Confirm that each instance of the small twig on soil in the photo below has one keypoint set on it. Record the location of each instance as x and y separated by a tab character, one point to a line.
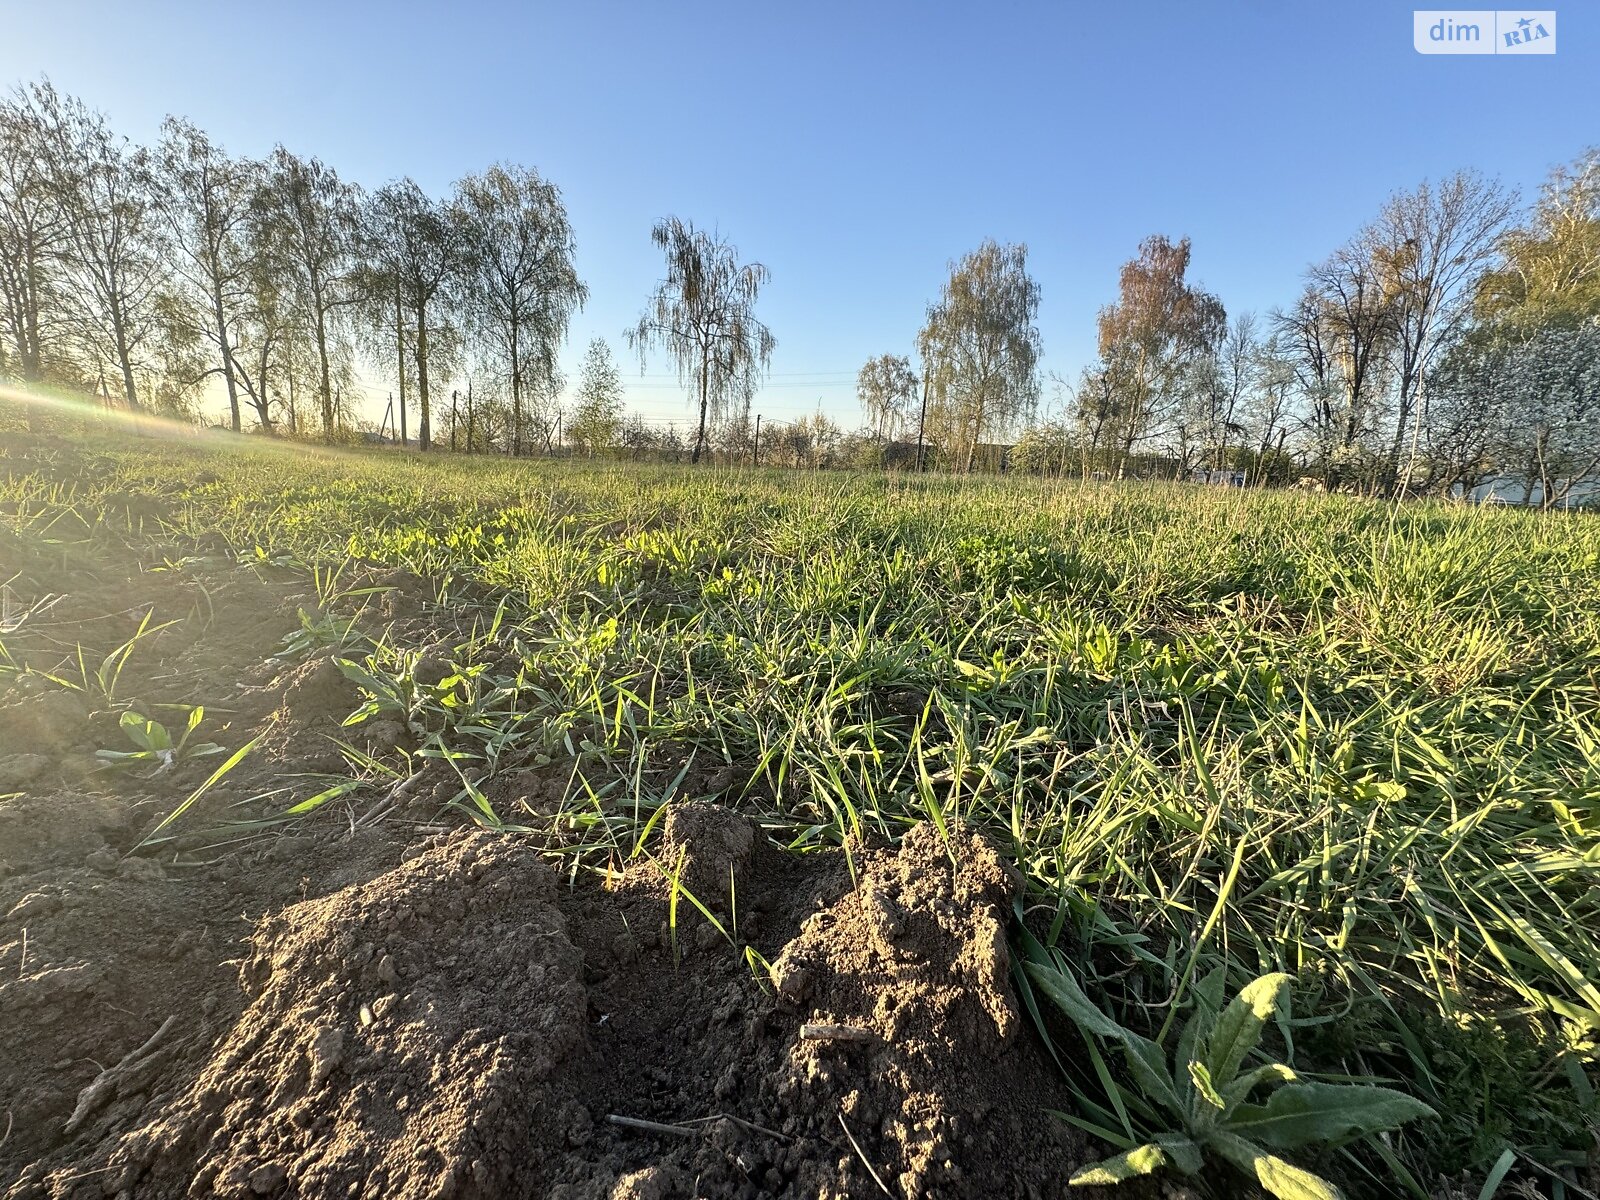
6	1136
750	1125
856	1146
103	1089
388	802
836	1033
22	967
652	1126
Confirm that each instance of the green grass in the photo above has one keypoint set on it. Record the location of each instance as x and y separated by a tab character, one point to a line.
1271	731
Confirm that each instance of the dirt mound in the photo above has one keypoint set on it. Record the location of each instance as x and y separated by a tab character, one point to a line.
394	1043
914	964
474	1024
311	701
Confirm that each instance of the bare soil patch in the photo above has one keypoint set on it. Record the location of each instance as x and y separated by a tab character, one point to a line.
468	1022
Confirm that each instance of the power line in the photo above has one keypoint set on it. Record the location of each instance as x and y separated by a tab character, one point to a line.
764	388
770	374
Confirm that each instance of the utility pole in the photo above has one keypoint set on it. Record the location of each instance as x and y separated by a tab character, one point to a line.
453	395
755	458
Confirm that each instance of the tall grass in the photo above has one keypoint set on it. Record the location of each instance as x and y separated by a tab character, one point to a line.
1272	731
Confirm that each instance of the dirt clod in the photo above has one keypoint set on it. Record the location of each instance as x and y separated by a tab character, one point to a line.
468	1024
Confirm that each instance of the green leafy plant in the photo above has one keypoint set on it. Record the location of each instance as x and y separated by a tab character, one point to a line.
317	632
100	682
155	745
155	836
1205	1090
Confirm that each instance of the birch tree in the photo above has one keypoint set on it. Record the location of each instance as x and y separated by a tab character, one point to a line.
421	246
1550	268
886	386
521	286
980	347
1158	328
703	315
203	199
32	242
309	225
1431	245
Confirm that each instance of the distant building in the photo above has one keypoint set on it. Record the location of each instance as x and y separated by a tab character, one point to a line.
1225	478
992	456
1509	489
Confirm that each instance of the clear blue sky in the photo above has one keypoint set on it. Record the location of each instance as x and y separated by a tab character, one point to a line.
857	147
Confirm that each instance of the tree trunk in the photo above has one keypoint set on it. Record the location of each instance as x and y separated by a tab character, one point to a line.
700	438
227	358
977	432
425	424
922	421
262	401
124	358
516	390
325	380
400	363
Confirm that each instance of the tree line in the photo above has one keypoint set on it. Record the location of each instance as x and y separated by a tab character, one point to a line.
146	272
1454	338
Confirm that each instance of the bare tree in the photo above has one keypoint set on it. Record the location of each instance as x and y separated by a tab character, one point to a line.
703	315
1347	313
980	347
1269	407
1094	414
1431	246
115	274
521	286
1223	380
32	241
545	412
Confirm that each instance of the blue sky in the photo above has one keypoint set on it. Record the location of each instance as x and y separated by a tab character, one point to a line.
855	148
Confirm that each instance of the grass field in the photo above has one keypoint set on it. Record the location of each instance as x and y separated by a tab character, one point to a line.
1354	742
